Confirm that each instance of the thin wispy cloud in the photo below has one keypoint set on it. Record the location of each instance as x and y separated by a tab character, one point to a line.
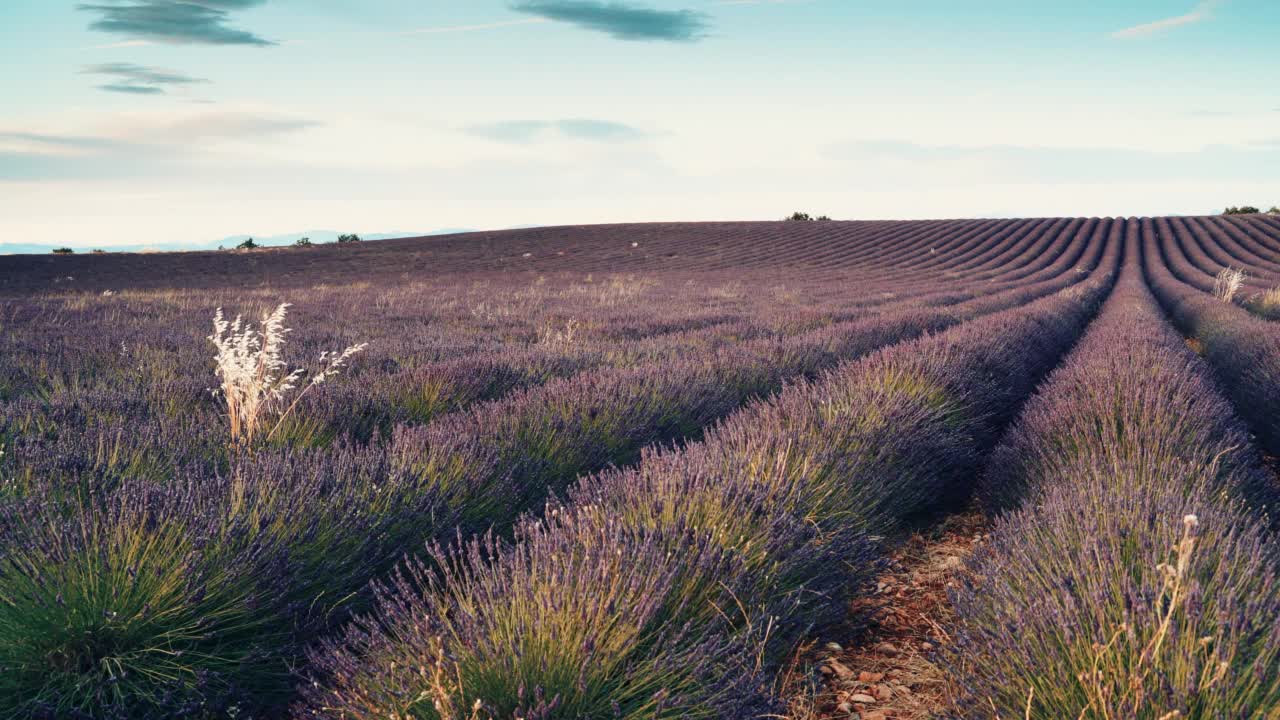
621	20
471	28
137	147
49	142
174	21
599	130
1200	13
120	45
229	125
140	80
528	131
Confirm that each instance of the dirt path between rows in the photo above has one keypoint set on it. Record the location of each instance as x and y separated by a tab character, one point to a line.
888	669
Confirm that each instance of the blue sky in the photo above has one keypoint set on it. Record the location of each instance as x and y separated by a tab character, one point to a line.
159	121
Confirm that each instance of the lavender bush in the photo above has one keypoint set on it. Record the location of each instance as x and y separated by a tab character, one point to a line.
1135	580
557	367
789	491
1244	350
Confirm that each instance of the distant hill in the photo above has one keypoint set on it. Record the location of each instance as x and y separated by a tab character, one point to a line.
317	236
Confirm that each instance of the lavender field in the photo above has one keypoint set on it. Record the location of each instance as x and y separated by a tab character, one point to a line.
683	470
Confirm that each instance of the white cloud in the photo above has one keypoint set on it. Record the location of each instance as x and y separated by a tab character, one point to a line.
120	45
1201	12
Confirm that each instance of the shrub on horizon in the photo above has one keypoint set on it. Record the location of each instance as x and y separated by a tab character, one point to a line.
63	251
247	245
806	217
303	242
349	238
1242	210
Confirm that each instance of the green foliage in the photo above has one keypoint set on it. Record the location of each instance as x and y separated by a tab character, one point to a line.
1242	210
349	238
1275	210
98	251
303	242
806	217
110	610
63	251
247	245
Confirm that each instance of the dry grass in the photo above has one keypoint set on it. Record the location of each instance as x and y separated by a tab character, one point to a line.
255	380
1267	303
1114	685
559	336
1227	284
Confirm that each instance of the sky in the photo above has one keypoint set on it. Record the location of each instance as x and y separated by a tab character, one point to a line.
131	122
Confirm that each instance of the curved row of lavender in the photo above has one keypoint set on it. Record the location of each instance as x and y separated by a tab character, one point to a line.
537	442
675	588
1243	349
736	247
1207	249
1198	250
434	347
428	357
1251	243
148	572
1138	579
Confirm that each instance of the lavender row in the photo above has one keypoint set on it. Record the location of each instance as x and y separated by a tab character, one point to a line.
1195	242
1243	350
75	426
280	545
1230	244
656	247
1201	251
1138	579
1050	260
675	588
537	441
401	389
120	386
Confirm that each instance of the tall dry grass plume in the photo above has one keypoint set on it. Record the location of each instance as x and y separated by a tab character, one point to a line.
256	382
1115	684
1227	284
1267	303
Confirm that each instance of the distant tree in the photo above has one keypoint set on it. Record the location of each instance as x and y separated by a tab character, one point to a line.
63	251
98	251
823	218
349	238
1275	210
1242	210
806	217
247	245
303	242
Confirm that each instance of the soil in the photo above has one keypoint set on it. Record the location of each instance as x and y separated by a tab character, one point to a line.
889	668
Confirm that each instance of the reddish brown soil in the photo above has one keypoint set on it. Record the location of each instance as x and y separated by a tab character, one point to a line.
889	669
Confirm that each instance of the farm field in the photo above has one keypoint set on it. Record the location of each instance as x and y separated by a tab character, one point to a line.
904	469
